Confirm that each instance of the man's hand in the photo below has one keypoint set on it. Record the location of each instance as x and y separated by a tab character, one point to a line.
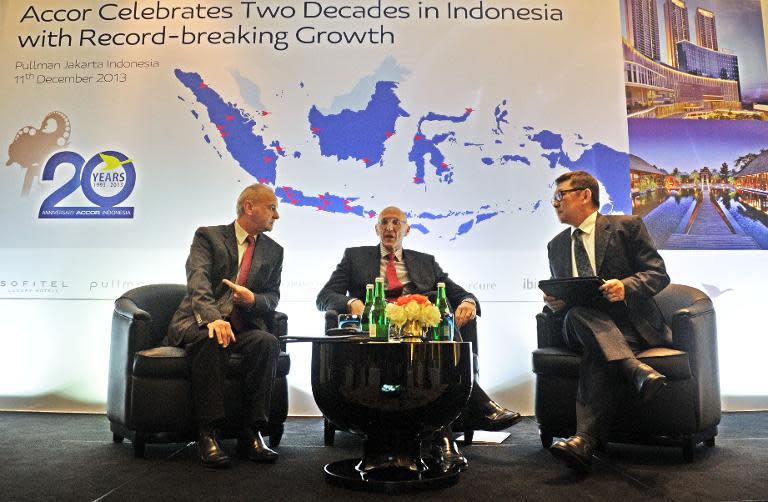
222	330
553	303
613	290
465	312
241	295
356	307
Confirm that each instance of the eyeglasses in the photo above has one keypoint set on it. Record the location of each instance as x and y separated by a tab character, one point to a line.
560	193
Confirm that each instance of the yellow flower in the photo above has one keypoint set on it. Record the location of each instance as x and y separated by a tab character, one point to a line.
429	315
412	310
396	314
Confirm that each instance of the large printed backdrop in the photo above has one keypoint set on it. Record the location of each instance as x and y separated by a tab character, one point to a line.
129	124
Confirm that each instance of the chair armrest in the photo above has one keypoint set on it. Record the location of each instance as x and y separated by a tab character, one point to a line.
694	330
549	329
331	320
131	332
278	326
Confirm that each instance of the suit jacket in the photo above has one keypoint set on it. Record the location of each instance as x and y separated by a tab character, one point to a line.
361	265
623	250
213	257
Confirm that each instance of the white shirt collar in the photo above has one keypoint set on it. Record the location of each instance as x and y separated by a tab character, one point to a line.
240	233
398	253
588	225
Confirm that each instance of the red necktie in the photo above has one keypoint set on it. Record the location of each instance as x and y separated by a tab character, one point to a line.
393	283
245	264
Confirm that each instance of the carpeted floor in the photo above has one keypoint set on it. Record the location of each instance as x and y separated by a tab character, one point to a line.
72	457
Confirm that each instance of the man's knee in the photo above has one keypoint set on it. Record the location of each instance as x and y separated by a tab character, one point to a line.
576	325
261	341
576	317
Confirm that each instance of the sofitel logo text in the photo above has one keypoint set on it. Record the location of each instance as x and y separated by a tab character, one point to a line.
107	179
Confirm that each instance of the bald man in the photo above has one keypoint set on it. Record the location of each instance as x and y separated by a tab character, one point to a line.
406	272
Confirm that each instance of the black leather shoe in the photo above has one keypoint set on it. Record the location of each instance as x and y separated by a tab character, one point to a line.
488	416
445	451
648	381
251	446
211	453
575	452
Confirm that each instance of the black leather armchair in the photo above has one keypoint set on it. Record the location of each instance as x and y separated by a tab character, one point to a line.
468	334
149	398
685	414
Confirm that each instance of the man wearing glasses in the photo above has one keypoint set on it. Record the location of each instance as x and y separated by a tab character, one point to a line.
608	335
405	272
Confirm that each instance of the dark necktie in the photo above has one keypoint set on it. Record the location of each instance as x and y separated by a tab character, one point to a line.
236	319
394	286
583	267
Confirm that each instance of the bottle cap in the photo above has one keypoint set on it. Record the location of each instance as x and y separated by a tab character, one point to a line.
369	286
440	284
379	279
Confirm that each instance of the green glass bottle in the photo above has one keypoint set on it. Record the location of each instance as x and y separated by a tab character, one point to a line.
378	323
443	332
367	308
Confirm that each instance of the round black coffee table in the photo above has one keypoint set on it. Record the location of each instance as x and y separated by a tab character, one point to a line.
394	395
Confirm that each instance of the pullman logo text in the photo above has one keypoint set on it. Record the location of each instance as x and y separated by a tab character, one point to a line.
106	180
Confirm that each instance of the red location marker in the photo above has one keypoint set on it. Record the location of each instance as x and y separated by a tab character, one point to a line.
203	85
265	113
443	165
365	159
468	110
268	159
230	117
279	148
263	181
224	134
315	130
418	180
389	134
371	214
418	137
219	127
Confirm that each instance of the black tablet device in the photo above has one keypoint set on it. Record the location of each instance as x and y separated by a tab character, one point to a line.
573	290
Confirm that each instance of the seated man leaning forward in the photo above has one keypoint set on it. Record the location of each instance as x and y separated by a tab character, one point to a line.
405	272
620	250
233	280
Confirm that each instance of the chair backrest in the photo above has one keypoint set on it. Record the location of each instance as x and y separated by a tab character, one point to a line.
160	302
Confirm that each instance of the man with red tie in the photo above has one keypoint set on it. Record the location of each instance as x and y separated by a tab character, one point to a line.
233	281
406	271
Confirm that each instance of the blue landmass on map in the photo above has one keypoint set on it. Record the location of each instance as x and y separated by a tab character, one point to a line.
500	116
547	139
361	134
236	129
609	166
324	202
348	134
423	146
515	158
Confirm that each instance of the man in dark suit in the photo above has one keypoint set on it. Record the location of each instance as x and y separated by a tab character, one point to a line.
609	332
233	280
406	271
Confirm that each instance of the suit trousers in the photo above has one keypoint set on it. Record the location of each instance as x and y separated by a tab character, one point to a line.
603	339
207	361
